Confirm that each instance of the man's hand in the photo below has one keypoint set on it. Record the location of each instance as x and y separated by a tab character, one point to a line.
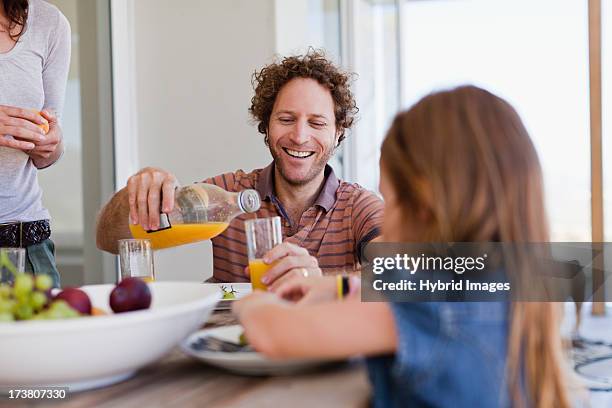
47	151
22	125
150	190
289	260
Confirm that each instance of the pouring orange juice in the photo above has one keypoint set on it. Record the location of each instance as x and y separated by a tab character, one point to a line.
179	234
201	211
262	234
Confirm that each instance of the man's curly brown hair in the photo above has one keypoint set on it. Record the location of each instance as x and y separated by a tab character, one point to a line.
269	81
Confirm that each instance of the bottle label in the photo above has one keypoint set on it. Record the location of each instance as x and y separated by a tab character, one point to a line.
164	223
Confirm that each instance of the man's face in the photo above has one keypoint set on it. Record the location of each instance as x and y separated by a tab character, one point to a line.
302	130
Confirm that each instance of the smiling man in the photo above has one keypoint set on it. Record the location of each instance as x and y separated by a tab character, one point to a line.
303	106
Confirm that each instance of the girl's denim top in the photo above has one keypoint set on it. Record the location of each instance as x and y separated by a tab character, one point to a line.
449	354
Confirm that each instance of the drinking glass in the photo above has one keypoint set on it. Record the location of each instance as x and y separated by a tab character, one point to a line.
12	261
262	234
136	259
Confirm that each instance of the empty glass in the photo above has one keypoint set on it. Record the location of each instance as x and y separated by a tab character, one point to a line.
12	261
136	259
262	234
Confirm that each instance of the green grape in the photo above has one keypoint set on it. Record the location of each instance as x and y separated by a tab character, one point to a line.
228	296
22	298
61	309
38	300
23	311
7	305
23	284
6	317
5	291
43	282
58	305
22	302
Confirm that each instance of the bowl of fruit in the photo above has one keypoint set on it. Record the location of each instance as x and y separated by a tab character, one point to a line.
96	335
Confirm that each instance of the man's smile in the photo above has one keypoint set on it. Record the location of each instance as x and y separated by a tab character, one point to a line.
297	153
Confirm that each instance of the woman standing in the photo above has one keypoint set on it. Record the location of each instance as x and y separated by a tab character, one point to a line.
34	64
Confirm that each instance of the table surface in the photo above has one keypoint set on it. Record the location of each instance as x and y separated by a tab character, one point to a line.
179	381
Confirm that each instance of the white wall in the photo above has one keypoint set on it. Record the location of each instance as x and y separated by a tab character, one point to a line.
193	62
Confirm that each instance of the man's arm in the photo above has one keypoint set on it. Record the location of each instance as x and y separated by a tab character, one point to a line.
367	220
147	191
113	222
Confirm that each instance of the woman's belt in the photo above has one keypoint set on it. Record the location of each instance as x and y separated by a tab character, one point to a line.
24	234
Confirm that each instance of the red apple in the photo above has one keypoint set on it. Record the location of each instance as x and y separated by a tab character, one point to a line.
130	294
76	298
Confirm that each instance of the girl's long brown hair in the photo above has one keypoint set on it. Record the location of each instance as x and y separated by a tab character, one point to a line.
16	12
472	151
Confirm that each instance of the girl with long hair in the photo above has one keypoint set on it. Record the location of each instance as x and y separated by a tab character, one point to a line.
458	166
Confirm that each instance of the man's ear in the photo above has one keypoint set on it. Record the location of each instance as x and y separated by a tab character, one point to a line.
337	142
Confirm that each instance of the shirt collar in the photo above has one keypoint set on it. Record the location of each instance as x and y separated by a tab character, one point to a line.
325	199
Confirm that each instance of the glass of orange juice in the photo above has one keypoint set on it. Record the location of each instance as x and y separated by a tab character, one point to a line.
262	234
136	259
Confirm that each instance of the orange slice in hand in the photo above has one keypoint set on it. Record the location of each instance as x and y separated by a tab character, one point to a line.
44	126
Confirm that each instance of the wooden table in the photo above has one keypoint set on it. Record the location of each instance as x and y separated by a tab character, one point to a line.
179	381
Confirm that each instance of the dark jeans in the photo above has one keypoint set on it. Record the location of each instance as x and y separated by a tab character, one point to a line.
40	259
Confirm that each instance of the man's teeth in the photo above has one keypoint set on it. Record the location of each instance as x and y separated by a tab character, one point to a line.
295	153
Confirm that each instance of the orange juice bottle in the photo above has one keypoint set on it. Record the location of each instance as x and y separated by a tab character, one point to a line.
179	234
201	211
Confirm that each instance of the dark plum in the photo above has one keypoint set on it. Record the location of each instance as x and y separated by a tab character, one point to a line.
130	294
76	298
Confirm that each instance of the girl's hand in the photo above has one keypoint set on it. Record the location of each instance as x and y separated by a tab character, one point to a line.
253	301
307	290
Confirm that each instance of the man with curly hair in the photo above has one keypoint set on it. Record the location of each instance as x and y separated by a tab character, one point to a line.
303	106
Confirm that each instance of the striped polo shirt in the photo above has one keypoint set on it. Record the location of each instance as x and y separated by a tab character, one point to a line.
343	218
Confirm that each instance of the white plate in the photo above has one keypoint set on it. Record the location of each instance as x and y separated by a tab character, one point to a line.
89	352
250	362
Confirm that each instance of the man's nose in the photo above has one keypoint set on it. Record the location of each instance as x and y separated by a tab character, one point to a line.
300	135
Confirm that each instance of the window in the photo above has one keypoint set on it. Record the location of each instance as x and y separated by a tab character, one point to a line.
534	54
543	72
62	182
320	28
373	55
606	39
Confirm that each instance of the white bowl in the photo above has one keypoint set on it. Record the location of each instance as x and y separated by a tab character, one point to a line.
95	351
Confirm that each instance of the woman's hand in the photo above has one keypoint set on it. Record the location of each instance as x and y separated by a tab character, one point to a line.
23	126
46	152
289	261
307	290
